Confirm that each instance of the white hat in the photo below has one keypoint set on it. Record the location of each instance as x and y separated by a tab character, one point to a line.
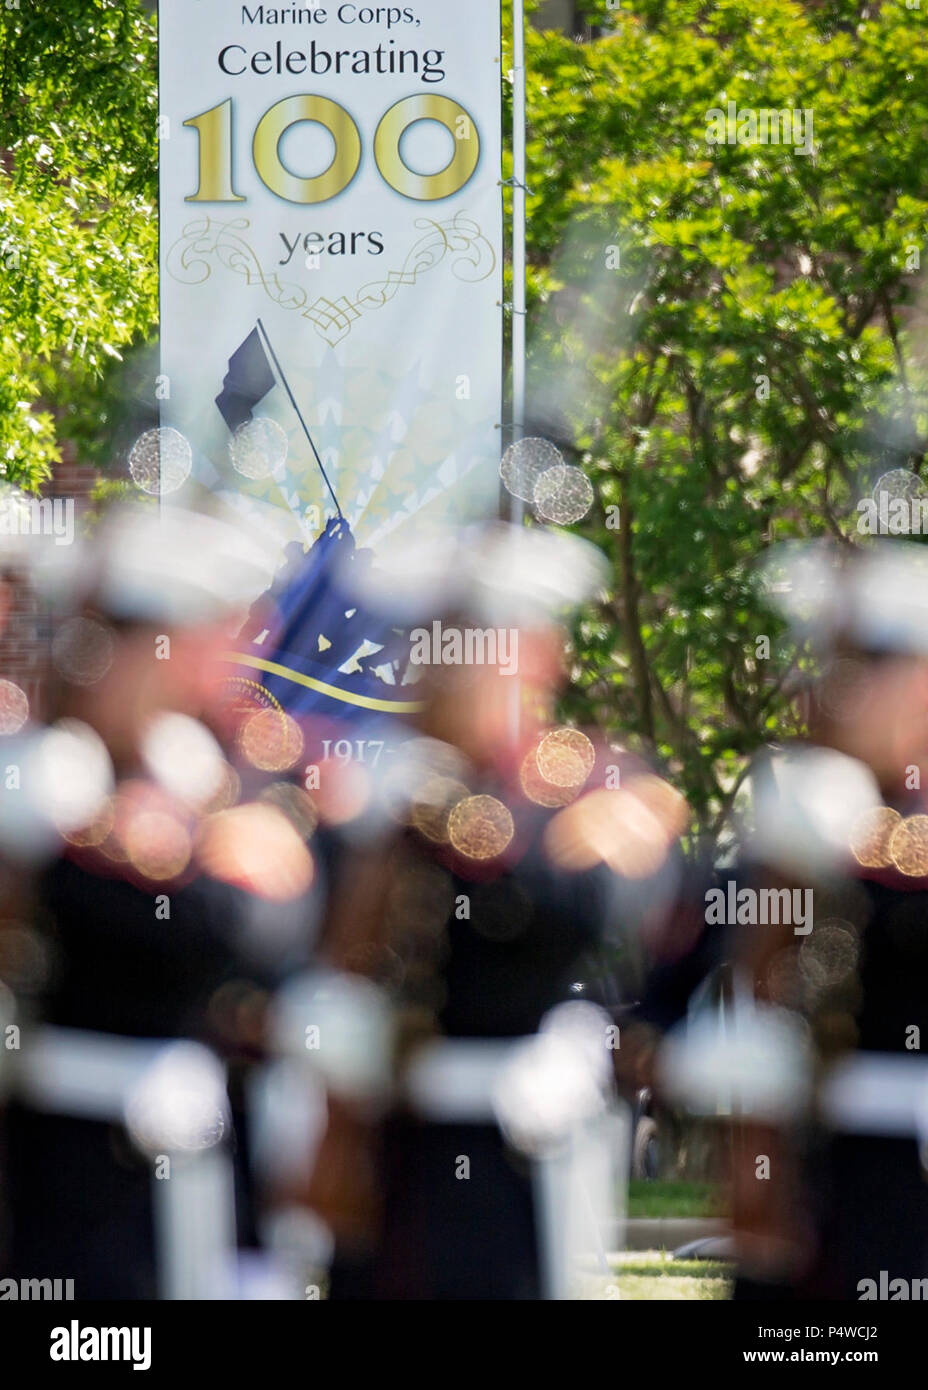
497	572
163	565
875	597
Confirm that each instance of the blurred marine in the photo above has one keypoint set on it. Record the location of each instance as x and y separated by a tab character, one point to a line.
485	1165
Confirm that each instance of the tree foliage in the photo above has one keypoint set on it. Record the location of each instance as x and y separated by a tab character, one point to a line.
78	221
730	334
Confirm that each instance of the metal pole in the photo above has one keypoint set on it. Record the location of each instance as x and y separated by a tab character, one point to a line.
518	235
516	505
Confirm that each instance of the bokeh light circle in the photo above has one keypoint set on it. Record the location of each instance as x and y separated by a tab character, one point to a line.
14	707
524	462
565	757
480	827
563	494
160	461
82	650
271	741
898	482
179	1103
538	789
829	954
871	834
258	448
908	846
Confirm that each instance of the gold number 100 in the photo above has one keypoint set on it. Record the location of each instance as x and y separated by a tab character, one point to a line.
214	128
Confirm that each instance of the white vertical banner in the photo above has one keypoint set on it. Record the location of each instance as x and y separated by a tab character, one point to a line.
331	173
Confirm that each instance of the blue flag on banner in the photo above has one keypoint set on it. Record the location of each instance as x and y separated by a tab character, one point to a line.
314	646
247	381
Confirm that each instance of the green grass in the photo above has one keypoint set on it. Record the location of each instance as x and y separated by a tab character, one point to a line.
653	1274
674	1199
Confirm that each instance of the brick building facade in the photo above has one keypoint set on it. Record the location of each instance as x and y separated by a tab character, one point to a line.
24	631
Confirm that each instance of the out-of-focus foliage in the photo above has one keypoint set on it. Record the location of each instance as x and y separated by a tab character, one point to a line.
729	334
78	221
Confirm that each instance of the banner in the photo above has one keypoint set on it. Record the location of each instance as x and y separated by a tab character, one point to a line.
331	257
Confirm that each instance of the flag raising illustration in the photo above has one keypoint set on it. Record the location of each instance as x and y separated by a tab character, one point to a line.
310	641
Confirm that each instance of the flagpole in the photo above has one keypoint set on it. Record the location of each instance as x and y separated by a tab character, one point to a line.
517	507
280	372
517	510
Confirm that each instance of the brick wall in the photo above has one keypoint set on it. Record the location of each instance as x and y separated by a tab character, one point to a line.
24	632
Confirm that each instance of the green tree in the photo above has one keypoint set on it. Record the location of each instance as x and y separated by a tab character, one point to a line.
725	333
78	220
